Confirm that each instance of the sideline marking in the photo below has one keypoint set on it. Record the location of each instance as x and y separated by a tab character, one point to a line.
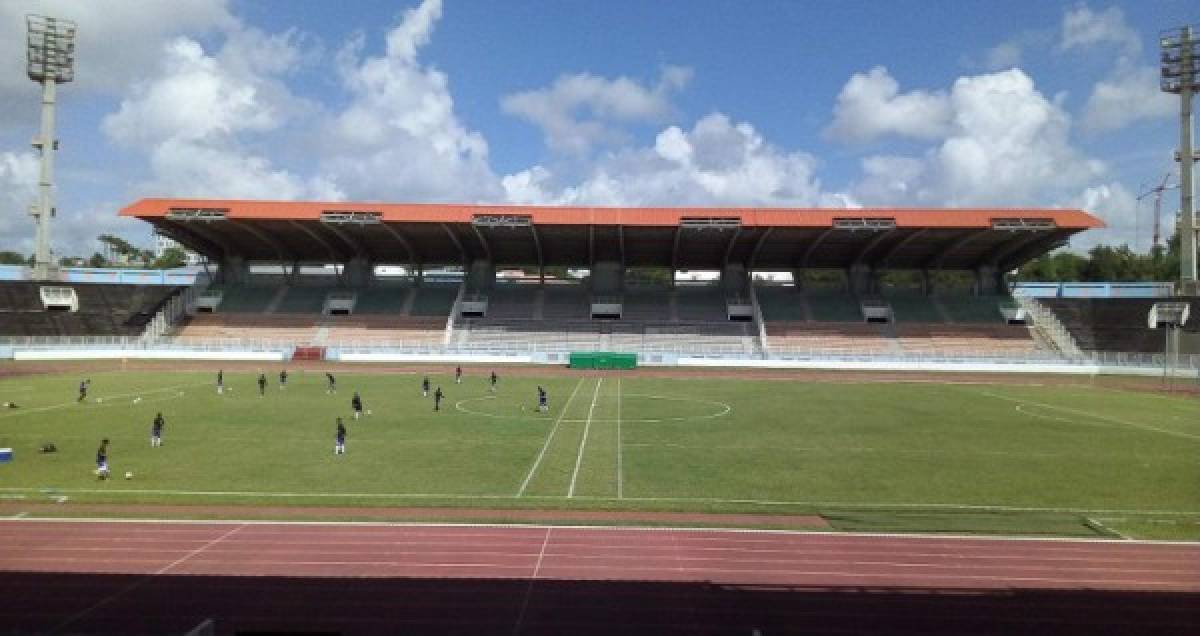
537	462
583	442
606	528
1103	418
755	502
620	472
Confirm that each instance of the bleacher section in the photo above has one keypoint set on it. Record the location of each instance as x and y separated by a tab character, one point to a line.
618	335
924	325
1119	324
246	298
512	301
646	303
434	300
302	300
701	303
314	328
381	300
104	310
566	302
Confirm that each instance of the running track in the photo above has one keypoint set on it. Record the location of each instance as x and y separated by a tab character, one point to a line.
149	577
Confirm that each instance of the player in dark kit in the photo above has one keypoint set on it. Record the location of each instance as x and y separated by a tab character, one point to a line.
458	375
102	460
542	399
262	384
283	379
425	387
156	431
332	388
339	446
83	387
493	379
220	381
356	404
437	399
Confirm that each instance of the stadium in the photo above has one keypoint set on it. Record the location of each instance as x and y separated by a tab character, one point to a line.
369	417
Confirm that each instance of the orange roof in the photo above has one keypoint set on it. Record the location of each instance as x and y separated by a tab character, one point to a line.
546	215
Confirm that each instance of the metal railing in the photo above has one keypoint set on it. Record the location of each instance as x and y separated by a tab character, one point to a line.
1043	319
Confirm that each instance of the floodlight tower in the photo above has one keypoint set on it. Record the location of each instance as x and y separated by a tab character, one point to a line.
51	61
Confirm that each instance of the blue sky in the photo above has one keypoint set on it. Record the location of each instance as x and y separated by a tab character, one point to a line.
705	102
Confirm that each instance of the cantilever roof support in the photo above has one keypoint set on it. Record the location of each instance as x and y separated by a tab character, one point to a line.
1004	250
357	246
887	255
193	237
935	261
812	247
860	258
333	253
414	259
1048	242
621	246
466	258
675	253
487	247
729	246
285	254
537	245
758	245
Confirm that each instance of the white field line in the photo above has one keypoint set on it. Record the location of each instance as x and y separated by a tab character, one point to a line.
51	407
1103	418
1093	521
583	442
142	581
859	505
538	462
620	470
532	579
935	537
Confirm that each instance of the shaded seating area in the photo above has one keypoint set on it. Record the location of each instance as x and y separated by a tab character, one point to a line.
104	310
1119	324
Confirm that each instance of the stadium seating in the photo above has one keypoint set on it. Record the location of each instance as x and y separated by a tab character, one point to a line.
381	300
302	300
104	310
914	308
1116	324
974	309
779	302
701	303
833	306
246	298
646	304
841	338
512	301
313	328
974	340
434	299
566	302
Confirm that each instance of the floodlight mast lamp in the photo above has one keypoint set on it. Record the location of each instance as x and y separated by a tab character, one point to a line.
51	61
1181	75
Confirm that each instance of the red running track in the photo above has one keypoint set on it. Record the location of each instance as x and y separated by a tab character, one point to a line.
126	577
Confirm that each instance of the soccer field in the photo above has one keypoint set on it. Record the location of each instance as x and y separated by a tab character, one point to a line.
867	455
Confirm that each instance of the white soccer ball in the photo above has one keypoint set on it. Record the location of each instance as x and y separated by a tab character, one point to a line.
368	411
129	475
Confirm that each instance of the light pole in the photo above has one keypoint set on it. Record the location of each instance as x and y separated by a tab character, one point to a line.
1181	75
51	61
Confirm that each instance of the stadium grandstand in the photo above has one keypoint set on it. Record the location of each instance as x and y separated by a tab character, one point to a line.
320	280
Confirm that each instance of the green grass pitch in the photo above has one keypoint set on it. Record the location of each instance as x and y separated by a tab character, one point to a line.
890	456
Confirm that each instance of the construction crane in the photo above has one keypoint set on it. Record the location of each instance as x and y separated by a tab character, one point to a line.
1157	193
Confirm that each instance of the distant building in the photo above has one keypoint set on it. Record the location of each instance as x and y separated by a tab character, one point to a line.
163	243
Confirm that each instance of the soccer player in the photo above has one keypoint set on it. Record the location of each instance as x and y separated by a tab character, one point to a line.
425	387
339	446
83	387
220	381
437	399
156	431
542	399
458	375
283	379
262	384
332	388
11	405
493	379
356	404
102	460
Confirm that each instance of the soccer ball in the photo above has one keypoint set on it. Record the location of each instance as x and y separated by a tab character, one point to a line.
368	411
129	475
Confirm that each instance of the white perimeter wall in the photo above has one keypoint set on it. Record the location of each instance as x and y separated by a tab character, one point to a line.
143	354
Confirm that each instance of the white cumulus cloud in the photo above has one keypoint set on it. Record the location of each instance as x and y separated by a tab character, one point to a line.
1084	28
582	110
870	105
399	137
717	162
